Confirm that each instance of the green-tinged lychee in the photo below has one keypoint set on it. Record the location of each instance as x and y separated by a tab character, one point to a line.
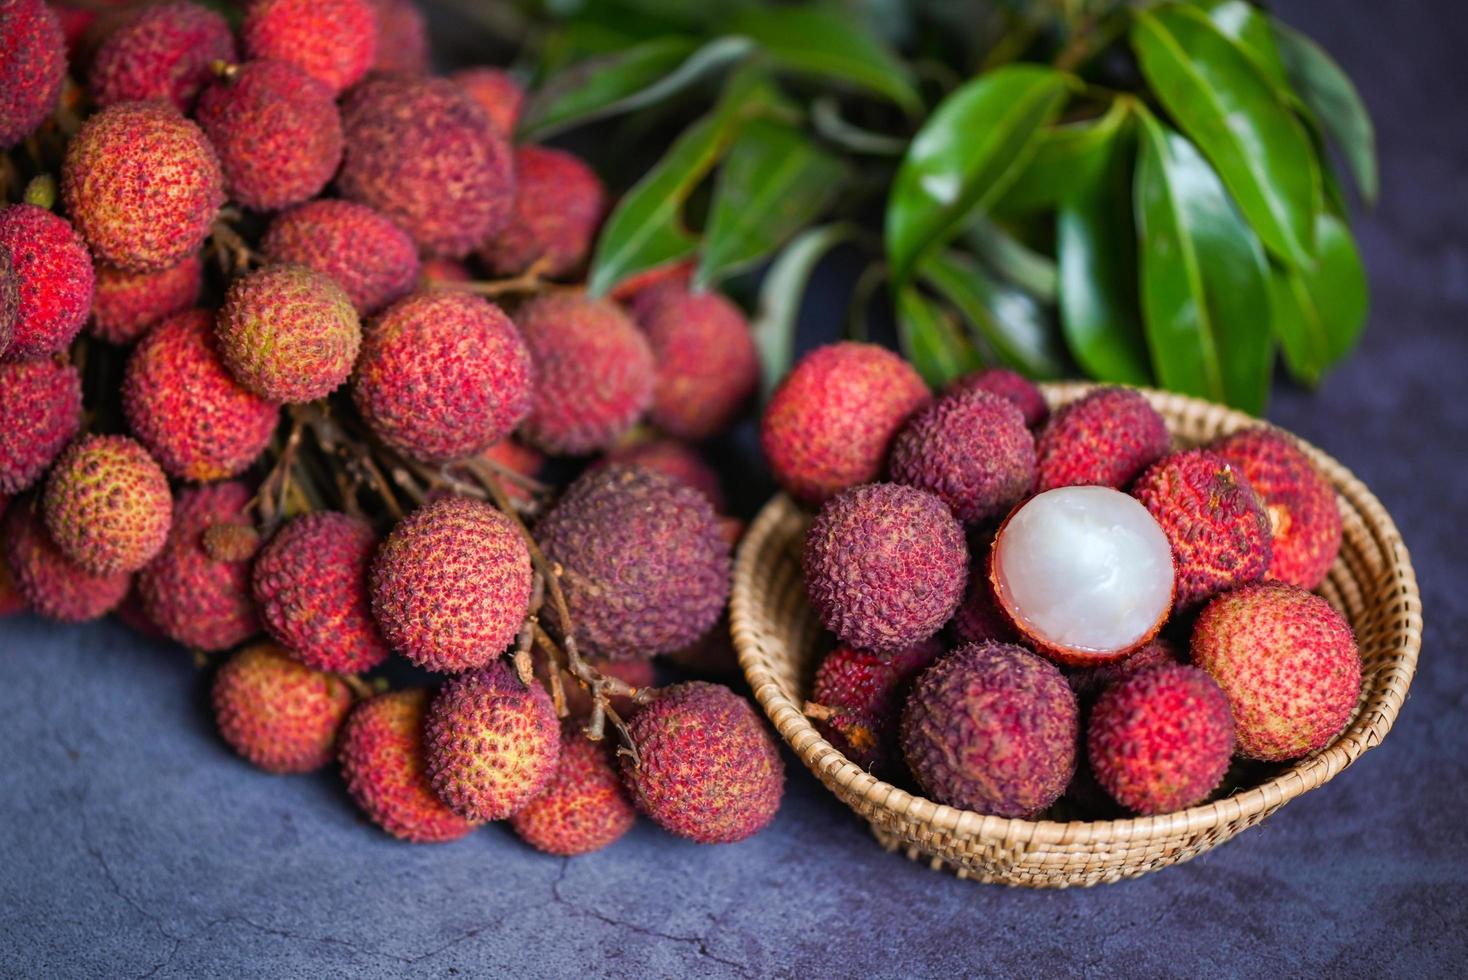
1009	385
107	504
1104	439
559	203
163	51
333	41
857	699
52	584
126	304
33	69
672	458
373	259
53	281
583	807
496	92
40	411
279	714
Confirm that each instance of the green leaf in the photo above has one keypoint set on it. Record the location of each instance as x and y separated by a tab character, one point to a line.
1007	320
818	40
1204	279
931	341
1319	312
1066	157
825	116
1225	104
1326	89
1250	28
780	295
774	183
1013	260
968	152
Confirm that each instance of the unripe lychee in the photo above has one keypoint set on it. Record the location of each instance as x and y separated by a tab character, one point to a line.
583	807
127	303
53	281
162	52
107	504
33	69
333	41
1104	439
559	202
402	38
676	459
279	714
496	92
370	257
40	412
52	584
1009	385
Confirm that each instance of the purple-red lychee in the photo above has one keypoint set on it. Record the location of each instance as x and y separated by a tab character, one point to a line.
52	584
1012	386
676	459
33	69
1104	439
370	257
40	411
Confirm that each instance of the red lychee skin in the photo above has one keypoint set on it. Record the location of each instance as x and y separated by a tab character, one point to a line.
382	760
40	412
194	599
190	412
972	450
423	153
1304	519
1218	529
277	713
583	807
1288	663
142	185
277	132
288	333
131	614
885	566
443	375
979	618
866	691
310	584
496	92
594	373
993	728
373	259
160	52
675	459
231	541
646	570
630	290
333	41
516	457
710	657
451	585
54	280
11	601
1012	386
9	299
831	422
637	673
402	38
53	585
33	69
127	303
1087	682
1104	439
437	271
709	769
559	203
107	504
493	743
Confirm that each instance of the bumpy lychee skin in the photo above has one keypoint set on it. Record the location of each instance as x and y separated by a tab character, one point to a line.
646	571
1219	531
370	257
993	728
33	69
9	298
885	566
194	598
443	375
40	412
160	52
1088	682
496	92
832	420
107	504
277	132
402	38
492	741
583	808
333	41
231	541
1304	519
289	333
422	152
559	202
513	455
451	584
1104	439
1288	663
979	618
676	459
180	401
52	584
857	699
310	583
1160	740
127	303
594	373
1012	386
53	279
383	761
279	714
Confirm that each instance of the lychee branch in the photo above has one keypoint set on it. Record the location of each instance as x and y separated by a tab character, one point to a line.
532	280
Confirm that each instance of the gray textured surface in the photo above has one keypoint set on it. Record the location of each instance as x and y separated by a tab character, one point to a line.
133	844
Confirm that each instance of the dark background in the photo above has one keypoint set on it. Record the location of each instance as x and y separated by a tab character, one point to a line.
133	844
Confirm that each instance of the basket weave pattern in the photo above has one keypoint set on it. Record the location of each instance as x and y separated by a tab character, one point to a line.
779	639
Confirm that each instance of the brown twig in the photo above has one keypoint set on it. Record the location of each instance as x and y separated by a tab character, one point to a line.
532	280
270	499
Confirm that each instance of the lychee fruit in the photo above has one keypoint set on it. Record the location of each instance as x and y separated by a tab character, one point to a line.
310	584
1160	740
277	132
40	412
637	673
496	92
107	504
53	280
438	272
1088	682
885	566
231	541
373	259
583	807
1012	386
443	375
594	373
130	613
52	584
1288	663
422	152
162	52
676	459
33	69
857	698
1304	520
993	728
514	456
710	771
645	569
9	298
451	584
493	742
277	713
979	618
1104	439
127	303
383	762
630	290
333	41
1219	531
559	203
402	38
831	422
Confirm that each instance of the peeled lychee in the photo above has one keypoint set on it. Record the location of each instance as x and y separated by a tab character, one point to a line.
53	279
559	202
33	69
1104	439
277	713
52	584
40	411
333	41
676	459
107	504
1009	385
370	257
496	92
164	51
583	807
127	303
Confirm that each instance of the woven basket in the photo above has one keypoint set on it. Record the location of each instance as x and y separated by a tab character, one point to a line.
779	640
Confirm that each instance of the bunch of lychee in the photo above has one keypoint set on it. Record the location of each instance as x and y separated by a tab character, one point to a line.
1027	605
253	400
